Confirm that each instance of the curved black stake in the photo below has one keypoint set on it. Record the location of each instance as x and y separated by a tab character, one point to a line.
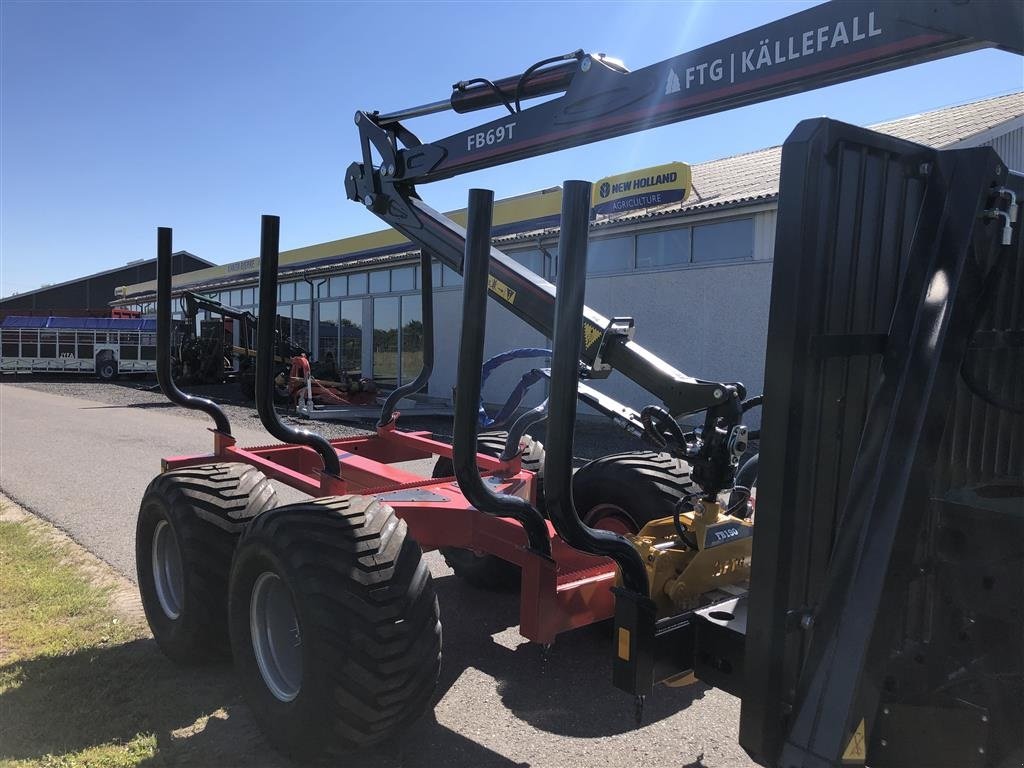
467	391
265	327
163	339
427	298
565	367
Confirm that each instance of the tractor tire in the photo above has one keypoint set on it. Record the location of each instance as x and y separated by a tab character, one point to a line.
189	522
488	571
625	491
106	367
334	624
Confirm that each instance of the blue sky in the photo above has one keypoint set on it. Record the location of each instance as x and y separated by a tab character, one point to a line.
116	118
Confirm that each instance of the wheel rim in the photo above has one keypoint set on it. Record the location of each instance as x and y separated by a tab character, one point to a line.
168	573
611	517
276	637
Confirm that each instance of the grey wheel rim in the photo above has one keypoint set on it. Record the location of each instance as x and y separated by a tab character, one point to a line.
276	637
168	574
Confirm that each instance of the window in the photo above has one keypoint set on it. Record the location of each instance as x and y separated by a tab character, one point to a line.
449	277
662	249
286	292
338	286
10	343
385	340
435	274
357	284
129	346
412	337
148	344
284	322
327	332
66	344
403	279
351	329
533	260
30	343
724	241
248	296
48	343
236	298
303	291
300	325
611	255
380	282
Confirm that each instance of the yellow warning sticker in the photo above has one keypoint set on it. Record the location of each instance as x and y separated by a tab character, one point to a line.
623	643
499	289
856	750
590	335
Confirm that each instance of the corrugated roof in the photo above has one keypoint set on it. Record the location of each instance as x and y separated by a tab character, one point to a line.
951	125
754	176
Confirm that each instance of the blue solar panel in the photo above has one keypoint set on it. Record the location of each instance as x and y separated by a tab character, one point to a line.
82	323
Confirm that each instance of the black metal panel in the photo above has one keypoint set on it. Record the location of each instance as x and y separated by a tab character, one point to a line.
871	231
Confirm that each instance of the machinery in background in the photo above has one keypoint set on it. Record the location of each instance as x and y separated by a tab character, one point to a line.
107	347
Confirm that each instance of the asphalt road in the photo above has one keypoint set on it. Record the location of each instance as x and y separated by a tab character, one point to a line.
84	465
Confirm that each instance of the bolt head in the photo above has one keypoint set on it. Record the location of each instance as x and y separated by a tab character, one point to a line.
807	620
984	718
981	750
358	117
585	64
885	710
369	200
718	394
883	742
391	169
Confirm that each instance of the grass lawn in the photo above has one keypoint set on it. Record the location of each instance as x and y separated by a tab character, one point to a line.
82	687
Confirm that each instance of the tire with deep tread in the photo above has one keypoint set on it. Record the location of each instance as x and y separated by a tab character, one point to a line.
635	487
488	571
366	615
206	508
106	366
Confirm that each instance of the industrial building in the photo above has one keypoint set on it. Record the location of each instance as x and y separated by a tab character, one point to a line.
695	274
90	296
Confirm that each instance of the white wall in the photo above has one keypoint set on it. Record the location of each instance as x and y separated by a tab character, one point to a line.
708	321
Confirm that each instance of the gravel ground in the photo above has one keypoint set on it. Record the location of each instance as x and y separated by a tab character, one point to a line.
593	438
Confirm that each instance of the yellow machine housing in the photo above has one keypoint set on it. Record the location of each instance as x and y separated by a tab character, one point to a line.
715	554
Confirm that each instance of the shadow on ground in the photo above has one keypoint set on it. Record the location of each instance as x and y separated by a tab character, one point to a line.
198	716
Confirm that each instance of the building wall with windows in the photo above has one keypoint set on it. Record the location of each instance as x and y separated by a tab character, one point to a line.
695	276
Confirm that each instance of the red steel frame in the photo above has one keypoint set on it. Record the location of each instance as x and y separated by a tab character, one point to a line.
569	591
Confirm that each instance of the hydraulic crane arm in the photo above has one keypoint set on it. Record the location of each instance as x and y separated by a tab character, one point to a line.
823	45
196	302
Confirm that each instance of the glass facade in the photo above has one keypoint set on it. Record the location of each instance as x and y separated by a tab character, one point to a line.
386	313
370	322
715	241
351	331
412	337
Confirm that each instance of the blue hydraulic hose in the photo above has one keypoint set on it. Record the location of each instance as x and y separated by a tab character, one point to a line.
519	391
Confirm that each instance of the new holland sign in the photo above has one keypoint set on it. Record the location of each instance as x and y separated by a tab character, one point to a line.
644	188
